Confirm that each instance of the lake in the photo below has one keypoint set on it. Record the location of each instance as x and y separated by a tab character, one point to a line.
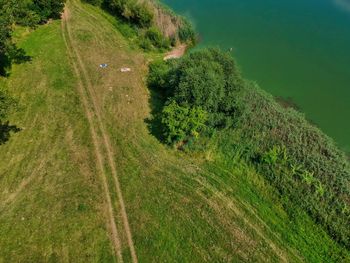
298	50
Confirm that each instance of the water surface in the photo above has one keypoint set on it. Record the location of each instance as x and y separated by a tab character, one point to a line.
297	49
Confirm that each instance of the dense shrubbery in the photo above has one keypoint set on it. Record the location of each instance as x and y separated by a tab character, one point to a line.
132	11
156	38
304	164
47	9
141	16
182	122
207	79
186	32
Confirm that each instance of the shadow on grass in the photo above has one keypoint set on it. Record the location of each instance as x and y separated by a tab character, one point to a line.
17	56
154	122
5	131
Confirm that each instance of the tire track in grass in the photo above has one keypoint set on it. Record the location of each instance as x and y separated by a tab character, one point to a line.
90	115
106	142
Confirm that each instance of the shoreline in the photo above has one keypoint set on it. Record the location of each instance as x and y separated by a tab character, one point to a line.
176	52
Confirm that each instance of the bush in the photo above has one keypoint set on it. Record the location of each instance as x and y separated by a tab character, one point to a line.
186	32
180	122
156	38
207	79
132	11
47	9
159	76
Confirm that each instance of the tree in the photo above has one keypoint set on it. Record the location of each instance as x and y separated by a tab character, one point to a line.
13	12
6	21
209	79
181	122
47	9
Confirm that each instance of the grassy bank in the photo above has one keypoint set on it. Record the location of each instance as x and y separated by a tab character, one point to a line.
180	207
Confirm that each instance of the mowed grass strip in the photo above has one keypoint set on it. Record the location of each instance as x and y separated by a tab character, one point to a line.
51	202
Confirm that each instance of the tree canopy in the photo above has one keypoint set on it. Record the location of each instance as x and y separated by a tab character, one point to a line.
209	79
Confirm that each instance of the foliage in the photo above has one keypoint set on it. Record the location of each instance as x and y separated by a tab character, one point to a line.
132	11
25	13
186	32
295	156
47	9
160	74
208	79
182	209
182	122
315	171
156	38
6	21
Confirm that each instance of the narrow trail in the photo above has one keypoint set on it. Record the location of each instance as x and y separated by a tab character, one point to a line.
108	147
98	152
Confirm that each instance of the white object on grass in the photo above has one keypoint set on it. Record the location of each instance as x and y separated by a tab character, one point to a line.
125	69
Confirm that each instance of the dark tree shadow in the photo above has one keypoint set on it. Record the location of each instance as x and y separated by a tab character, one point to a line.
5	65
154	122
5	131
17	56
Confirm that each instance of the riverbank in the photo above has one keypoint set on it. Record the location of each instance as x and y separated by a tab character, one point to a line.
177	52
290	53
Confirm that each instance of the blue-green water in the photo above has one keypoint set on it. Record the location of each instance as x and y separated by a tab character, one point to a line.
295	49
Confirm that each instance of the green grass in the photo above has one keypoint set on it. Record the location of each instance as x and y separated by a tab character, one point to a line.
181	207
53	215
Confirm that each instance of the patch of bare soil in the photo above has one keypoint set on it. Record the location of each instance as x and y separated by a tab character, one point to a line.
177	52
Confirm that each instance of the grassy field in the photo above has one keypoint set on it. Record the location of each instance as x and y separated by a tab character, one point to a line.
85	181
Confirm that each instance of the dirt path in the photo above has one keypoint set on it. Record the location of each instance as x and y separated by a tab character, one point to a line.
93	130
107	145
177	52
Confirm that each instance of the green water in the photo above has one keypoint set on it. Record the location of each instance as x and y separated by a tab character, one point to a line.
298	50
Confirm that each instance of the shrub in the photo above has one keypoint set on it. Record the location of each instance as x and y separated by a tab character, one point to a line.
132	11
158	77
47	9
208	79
181	122
156	38
186	32
145	44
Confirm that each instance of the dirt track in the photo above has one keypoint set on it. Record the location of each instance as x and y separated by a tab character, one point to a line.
100	140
